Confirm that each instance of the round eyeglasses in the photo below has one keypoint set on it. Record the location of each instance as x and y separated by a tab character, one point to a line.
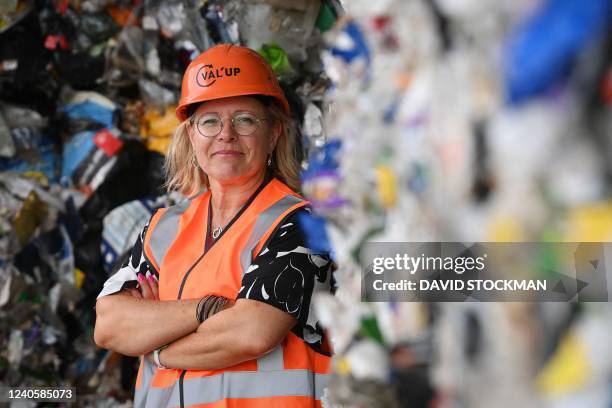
211	124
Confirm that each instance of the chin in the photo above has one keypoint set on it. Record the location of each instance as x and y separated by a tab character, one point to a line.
230	177
235	176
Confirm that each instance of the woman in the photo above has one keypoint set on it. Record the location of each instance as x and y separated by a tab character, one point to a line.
216	294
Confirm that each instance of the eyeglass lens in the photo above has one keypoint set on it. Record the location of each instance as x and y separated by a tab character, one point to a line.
210	125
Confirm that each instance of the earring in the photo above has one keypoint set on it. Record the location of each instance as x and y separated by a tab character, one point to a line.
270	160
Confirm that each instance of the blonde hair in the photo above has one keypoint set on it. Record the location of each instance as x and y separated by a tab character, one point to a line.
183	176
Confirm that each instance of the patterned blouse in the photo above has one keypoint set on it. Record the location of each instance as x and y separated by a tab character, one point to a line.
285	275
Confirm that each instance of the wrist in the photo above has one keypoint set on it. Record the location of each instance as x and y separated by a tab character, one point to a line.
157	358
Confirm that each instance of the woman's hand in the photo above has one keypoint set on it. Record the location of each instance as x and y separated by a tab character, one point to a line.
148	288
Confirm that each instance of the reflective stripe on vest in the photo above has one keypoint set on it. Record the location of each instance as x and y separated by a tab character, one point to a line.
147	371
242	384
273	361
263	223
166	230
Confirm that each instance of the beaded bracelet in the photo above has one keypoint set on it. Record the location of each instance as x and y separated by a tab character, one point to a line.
208	306
208	303
217	306
199	308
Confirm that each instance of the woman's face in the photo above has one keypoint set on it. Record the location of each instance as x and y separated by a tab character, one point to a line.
230	157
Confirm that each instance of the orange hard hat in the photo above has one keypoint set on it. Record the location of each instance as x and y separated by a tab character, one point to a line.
228	70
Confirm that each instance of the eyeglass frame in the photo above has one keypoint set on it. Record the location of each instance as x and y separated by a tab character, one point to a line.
258	120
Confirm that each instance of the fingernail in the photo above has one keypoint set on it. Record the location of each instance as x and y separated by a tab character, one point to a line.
139	277
156	279
151	279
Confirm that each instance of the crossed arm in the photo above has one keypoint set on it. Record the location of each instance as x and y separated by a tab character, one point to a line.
135	324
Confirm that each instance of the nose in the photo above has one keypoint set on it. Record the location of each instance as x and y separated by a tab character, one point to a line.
227	134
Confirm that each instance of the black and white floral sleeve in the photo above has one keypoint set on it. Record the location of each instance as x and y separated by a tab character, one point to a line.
125	277
286	274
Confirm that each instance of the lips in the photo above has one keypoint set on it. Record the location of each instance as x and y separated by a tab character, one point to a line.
227	153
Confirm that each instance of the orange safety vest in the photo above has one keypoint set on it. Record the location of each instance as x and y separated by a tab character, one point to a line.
291	375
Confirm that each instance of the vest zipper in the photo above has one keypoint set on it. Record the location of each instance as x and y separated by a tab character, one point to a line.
181	396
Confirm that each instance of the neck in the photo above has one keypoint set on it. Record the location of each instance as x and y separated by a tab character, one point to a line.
228	198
